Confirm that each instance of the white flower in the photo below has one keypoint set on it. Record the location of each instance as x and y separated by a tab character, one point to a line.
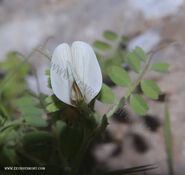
75	73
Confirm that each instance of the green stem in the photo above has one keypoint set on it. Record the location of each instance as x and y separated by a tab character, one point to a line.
134	85
131	89
44	54
147	66
168	139
88	126
61	157
116	107
79	158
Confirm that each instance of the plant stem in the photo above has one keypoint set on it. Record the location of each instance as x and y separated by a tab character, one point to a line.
88	126
81	153
142	74
131	89
44	54
61	157
168	139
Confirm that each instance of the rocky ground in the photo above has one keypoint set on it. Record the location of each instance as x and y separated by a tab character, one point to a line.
134	141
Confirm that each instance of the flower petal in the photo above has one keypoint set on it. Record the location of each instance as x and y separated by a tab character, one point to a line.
61	78
87	69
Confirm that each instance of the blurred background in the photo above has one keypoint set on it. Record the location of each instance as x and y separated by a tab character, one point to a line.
128	141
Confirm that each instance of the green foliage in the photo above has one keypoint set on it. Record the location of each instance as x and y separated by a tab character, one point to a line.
161	67
54	104
47	72
32	114
26	102
138	104
70	139
1	121
124	41
110	35
13	60
119	76
111	52
13	84
36	121
116	107
9	137
108	63
139	52
106	95
150	89
101	45
36	136
52	107
134	62
37	145
4	111
7	156
49	82
42	130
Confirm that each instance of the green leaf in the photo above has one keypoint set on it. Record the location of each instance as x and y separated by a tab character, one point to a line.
106	95
7	156
26	101
124	41
119	76
13	84
150	89
49	82
35	136
36	121
134	62
2	121
47	72
52	108
160	67
139	52
101	45
108	63
138	104
32	113
42	98
49	99
110	35
27	106
4	111
100	59
54	104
